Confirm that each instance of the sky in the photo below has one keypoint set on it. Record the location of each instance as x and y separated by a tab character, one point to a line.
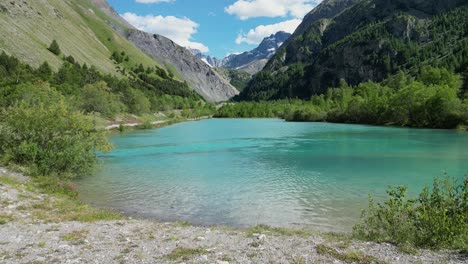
215	27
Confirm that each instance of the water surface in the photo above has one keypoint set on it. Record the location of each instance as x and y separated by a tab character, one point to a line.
244	172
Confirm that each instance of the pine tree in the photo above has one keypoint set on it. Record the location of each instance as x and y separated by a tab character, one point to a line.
464	91
54	48
45	71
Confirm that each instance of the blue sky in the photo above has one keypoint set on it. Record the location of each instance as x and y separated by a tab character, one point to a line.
216	27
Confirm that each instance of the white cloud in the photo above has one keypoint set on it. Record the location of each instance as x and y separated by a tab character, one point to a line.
256	35
180	30
245	9
153	1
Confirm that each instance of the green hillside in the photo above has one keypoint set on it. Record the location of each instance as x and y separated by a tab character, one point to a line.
371	40
28	27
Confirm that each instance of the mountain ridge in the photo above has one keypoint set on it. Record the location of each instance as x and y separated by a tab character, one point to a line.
91	32
365	40
250	61
206	82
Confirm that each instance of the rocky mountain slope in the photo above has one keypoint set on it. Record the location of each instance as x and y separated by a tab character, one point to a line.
207	82
251	61
364	40
91	31
267	48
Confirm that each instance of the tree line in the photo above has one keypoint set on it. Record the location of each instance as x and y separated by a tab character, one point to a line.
436	98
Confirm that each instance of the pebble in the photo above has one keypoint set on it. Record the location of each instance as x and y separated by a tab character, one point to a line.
103	243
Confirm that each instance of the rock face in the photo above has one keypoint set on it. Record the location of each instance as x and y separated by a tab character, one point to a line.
204	80
199	76
325	10
251	61
211	61
267	48
108	10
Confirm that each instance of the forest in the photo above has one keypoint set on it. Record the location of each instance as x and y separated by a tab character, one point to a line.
436	98
318	60
48	119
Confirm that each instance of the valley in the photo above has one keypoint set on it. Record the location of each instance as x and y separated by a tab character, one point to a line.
342	140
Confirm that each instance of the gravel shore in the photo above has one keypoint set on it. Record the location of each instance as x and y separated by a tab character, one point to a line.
25	238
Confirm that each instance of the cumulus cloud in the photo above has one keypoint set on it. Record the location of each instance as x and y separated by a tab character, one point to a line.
153	1
256	35
180	30
245	9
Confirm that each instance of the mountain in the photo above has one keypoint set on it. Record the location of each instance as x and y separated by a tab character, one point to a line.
91	32
251	61
267	48
28	27
364	40
211	61
238	78
207	82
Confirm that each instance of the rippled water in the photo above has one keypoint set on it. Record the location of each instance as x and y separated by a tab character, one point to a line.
247	172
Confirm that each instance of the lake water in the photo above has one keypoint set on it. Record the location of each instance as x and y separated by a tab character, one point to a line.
244	172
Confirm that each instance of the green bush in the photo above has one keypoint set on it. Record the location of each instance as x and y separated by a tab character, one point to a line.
50	139
98	98
55	48
438	218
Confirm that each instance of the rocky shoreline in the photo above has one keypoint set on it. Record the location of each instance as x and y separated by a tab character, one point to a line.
28	235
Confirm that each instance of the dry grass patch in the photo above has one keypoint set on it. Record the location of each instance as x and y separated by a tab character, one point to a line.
347	257
185	253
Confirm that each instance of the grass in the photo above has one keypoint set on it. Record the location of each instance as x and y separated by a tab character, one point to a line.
76	237
81	33
61	204
185	253
182	224
298	260
268	230
10	181
5	218
347	257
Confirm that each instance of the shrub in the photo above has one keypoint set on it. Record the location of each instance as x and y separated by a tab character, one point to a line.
437	219
50	139
98	98
55	48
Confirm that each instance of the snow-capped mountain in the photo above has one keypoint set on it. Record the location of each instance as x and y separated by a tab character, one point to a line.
251	61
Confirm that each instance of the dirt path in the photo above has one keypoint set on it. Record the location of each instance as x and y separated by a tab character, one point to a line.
115	126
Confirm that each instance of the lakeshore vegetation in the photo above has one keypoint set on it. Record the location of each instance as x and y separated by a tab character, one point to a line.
435	98
48	127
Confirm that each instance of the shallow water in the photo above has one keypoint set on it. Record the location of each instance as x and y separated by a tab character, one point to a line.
244	172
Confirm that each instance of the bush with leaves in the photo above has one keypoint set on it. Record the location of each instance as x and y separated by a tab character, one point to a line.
98	97
438	218
50	139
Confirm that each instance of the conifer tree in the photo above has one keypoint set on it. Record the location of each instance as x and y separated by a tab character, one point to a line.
54	48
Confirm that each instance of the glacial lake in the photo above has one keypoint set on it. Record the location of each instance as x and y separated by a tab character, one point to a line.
244	172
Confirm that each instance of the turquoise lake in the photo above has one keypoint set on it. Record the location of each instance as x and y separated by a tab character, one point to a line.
244	172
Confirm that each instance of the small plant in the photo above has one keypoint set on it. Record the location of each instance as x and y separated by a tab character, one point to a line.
146	125
121	127
41	244
4	219
185	253
347	257
437	219
76	237
55	48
